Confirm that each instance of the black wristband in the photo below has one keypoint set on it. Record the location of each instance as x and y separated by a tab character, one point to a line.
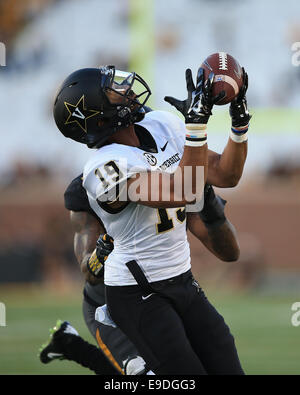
212	213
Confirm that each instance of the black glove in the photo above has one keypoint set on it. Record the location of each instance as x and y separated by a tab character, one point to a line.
199	103
104	246
212	213
238	108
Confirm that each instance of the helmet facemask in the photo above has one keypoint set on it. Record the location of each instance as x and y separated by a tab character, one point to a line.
127	90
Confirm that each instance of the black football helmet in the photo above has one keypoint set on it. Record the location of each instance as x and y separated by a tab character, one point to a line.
93	103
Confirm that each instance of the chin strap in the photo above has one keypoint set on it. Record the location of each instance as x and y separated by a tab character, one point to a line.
95	140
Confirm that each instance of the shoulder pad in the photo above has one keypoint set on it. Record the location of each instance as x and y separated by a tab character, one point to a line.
75	196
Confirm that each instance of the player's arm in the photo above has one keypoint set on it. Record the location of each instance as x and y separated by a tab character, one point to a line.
87	230
213	229
91	260
181	188
225	170
169	188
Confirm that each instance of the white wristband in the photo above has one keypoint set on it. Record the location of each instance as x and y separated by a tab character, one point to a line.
238	138
195	143
196	135
196	126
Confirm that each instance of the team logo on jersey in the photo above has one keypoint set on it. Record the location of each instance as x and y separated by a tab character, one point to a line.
79	114
150	159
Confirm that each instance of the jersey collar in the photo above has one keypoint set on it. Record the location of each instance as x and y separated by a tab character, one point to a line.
147	142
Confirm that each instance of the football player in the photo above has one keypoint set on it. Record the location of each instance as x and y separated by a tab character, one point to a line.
117	353
151	293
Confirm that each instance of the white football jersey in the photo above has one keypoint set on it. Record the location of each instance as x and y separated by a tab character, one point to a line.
155	238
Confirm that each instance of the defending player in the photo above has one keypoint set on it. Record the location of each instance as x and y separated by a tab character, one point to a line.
210	226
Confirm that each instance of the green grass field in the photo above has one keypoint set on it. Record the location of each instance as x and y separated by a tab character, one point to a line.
266	340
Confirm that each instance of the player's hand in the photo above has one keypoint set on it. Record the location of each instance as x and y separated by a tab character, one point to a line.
104	246
238	109
199	103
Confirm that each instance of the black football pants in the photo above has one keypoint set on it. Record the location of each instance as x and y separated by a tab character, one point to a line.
175	329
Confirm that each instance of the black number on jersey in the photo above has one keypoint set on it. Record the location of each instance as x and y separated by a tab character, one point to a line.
181	214
165	222
112	170
101	178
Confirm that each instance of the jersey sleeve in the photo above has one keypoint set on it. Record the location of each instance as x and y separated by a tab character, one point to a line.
105	176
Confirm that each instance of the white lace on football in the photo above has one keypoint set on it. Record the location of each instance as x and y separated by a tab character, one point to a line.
223	61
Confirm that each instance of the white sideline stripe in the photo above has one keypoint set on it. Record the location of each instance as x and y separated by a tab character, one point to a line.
229	80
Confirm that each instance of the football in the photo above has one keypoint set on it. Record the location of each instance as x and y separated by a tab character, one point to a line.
228	75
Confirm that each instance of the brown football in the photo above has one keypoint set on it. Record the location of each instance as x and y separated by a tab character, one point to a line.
228	75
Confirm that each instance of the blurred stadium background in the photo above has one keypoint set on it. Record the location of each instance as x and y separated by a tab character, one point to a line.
45	41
